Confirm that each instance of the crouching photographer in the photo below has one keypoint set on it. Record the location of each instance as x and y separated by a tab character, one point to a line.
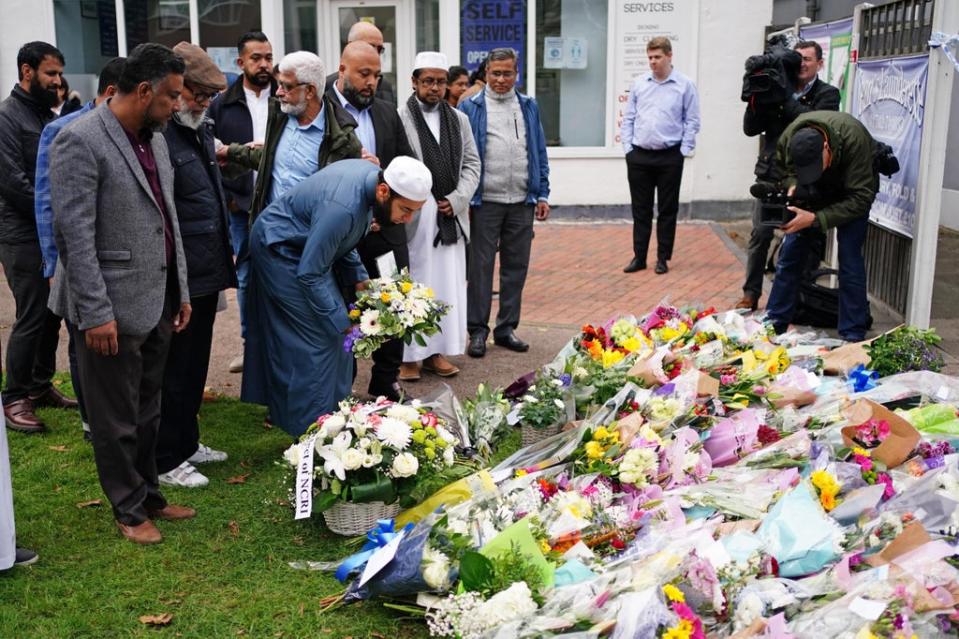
779	86
835	161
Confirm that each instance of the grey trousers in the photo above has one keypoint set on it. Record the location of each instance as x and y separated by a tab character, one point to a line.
508	227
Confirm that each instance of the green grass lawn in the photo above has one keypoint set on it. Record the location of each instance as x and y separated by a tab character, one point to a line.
217	579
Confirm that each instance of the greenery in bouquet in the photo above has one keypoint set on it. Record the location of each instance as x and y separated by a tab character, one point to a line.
738	390
595	384
375	452
544	404
485	416
905	349
393	307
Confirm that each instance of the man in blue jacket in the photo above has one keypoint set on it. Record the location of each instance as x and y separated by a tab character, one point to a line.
514	187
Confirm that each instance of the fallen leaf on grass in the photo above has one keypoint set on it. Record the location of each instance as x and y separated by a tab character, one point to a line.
89	504
234	529
377	635
239	479
157	620
244	464
59	449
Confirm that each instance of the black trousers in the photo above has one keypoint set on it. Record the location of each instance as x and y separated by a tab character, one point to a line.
388	357
184	379
122	395
32	347
757	254
509	229
75	336
658	172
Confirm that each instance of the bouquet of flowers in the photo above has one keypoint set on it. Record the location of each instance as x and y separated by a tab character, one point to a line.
609	348
544	409
905	349
485	416
393	307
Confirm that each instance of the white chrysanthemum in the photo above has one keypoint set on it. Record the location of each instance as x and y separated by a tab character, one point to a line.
404	413
352	459
436	568
293	455
370	322
405	465
394	433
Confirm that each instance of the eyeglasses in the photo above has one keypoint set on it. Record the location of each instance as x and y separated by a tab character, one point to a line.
504	75
289	88
202	96
379	48
434	82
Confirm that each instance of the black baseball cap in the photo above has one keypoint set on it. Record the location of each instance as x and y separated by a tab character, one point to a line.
805	149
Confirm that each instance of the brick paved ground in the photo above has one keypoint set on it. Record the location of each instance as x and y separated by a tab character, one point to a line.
575	277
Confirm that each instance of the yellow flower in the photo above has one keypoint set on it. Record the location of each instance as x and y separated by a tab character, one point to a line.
521	473
355	314
611	357
669	333
821	479
594	450
673	593
406	287
632	344
749	361
544	546
385	297
600	434
861	451
828	501
685	625
429	292
676	632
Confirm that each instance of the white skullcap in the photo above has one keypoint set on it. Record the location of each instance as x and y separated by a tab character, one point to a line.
430	60
409	177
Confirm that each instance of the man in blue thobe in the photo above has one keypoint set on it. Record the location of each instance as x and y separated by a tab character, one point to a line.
302	253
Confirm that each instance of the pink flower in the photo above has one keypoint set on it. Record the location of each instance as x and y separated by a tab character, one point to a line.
429	419
702	577
865	464
890	490
726	380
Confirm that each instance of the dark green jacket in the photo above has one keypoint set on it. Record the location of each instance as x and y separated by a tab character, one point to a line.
339	143
850	183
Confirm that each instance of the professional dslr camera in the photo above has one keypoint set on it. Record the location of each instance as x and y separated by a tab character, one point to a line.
771	77
773	200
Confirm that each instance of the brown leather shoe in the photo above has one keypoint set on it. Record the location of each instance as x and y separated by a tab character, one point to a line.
20	416
172	512
748	302
439	365
143	534
409	372
52	398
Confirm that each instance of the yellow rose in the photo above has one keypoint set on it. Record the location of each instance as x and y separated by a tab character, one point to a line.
406	287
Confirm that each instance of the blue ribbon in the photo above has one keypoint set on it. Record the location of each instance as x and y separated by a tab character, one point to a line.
377	537
862	379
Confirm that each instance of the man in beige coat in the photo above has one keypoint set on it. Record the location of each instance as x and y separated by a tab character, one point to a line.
441	137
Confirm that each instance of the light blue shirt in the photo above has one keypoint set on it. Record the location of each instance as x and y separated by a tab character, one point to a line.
364	122
298	153
661	114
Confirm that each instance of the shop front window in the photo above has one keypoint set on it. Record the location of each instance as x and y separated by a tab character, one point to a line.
87	36
299	25
222	22
427	25
571	71
164	21
493	24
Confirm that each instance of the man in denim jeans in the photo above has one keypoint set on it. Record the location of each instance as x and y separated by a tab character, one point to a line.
830	156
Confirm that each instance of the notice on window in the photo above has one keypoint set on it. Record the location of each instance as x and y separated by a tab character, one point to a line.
636	24
553	53
493	24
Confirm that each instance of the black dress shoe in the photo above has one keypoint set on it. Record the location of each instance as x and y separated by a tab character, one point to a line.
52	398
511	342
661	267
477	345
635	265
393	392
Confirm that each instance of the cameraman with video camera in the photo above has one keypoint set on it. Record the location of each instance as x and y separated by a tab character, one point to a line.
779	86
834	160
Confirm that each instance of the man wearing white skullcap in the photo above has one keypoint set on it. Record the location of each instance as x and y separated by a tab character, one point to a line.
302	249
441	137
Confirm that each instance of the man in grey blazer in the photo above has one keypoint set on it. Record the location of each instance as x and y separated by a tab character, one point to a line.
122	277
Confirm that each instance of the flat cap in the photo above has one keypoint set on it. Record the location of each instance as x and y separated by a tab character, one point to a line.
200	68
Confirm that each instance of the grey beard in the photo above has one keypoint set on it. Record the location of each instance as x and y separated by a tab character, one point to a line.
295	110
190	120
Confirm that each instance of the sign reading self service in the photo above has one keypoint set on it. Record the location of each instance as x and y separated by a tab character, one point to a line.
493	24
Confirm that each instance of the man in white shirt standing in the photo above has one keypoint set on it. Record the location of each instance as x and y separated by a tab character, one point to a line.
658	131
240	115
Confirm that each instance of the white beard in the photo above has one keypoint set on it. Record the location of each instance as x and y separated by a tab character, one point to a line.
189	119
293	109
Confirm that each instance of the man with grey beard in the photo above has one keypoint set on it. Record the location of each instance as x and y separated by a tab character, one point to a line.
204	225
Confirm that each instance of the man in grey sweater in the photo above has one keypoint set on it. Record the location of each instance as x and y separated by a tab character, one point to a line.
514	187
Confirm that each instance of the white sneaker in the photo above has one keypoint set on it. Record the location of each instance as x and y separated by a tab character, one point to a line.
185	476
204	455
236	366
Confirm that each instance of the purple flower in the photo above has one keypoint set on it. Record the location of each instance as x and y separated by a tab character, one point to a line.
351	337
665	389
566	378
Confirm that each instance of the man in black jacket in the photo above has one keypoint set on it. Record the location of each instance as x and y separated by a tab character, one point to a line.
32	348
812	94
370	34
204	224
383	137
240	115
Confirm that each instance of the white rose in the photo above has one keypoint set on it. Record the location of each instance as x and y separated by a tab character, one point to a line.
332	425
436	569
405	465
293	455
352	459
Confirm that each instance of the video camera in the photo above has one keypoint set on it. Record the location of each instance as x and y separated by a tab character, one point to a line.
773	200
771	78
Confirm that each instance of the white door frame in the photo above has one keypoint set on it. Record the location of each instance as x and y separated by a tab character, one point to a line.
404	47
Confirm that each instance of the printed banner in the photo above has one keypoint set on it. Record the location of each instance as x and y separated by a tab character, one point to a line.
889	98
492	24
835	38
304	480
636	24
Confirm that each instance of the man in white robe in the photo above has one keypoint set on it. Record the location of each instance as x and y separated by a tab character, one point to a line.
441	137
10	555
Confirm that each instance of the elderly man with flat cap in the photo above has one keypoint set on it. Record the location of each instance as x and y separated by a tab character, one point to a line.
302	252
204	225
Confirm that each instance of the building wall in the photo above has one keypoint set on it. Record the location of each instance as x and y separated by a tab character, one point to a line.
22	21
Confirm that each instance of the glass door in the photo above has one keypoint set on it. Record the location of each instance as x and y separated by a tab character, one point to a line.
395	20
